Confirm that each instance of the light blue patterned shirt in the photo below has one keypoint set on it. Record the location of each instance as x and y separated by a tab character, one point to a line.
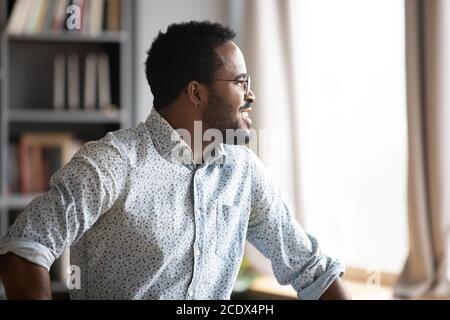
142	224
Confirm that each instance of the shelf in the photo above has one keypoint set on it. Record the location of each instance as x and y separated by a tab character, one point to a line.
51	116
26	104
17	201
67	37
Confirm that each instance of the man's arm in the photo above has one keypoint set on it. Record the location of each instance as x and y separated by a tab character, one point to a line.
336	291
80	192
23	279
295	255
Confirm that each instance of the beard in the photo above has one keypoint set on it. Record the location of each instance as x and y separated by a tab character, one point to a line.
224	117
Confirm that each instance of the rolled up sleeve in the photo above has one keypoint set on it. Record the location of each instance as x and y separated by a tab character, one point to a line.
80	192
295	255
30	250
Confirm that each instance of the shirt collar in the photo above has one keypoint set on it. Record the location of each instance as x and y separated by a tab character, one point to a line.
171	146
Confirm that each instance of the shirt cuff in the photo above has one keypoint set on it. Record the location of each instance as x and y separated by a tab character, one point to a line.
29	250
315	290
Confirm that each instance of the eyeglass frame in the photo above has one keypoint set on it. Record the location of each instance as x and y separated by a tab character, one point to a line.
246	81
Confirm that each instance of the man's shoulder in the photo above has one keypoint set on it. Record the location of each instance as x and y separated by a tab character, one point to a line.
123	141
235	153
129	136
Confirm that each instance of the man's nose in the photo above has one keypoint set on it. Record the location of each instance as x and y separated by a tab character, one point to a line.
251	96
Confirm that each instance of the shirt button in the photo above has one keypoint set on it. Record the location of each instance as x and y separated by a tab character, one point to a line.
190	292
197	252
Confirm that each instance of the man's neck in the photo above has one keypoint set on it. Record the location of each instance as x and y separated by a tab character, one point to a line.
182	120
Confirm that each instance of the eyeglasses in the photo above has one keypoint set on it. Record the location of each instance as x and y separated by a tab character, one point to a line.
245	84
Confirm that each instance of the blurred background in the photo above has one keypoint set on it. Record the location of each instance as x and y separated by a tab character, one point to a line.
351	95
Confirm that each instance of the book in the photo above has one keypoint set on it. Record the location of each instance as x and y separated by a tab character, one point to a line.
32	16
44	16
96	17
15	20
26	15
90	82
40	156
59	84
113	15
38	24
24	168
13	169
86	20
63	140
104	83
38	184
59	17
81	4
73	81
48	18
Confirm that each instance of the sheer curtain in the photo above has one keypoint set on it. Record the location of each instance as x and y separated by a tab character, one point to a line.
329	81
270	44
353	129
266	40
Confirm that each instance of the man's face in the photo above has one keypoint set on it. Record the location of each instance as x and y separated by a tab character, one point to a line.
228	105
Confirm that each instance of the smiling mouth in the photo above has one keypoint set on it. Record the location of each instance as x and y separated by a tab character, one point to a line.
244	113
245	116
246	107
245	110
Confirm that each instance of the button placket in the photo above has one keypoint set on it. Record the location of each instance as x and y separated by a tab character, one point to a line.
198	235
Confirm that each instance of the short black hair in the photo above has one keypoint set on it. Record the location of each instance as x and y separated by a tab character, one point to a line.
184	53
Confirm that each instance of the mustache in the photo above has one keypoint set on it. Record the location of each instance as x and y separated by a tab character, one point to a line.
246	106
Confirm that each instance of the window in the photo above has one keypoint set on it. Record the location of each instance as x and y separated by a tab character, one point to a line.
352	122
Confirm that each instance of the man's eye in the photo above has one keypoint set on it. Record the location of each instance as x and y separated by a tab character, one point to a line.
242	84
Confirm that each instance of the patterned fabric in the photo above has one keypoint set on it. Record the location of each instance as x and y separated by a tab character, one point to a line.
141	223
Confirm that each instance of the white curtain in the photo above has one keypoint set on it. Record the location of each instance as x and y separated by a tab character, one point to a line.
266	41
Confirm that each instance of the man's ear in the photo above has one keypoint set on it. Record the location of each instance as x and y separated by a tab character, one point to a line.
196	93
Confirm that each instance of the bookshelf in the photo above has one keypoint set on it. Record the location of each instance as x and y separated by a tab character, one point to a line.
107	37
27	90
43	116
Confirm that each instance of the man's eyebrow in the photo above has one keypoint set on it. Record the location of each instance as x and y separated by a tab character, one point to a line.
241	75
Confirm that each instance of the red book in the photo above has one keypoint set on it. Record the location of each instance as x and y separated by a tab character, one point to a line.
24	166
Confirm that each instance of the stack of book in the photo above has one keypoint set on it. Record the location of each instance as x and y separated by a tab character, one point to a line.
90	17
36	157
90	90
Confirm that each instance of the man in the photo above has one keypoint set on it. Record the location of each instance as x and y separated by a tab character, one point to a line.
147	215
